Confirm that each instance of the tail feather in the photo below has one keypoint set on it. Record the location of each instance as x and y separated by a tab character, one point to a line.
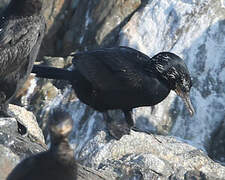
51	72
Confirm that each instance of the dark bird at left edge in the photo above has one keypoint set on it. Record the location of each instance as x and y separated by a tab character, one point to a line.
58	163
22	29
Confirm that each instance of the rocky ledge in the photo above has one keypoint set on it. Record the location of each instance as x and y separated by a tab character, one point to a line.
135	156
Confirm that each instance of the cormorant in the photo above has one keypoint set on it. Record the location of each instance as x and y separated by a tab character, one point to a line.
21	32
123	78
58	163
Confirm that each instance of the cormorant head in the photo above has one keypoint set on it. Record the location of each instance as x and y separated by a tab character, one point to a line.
173	69
60	124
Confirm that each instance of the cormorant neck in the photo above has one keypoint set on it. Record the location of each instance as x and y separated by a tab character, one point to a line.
155	69
23	8
62	150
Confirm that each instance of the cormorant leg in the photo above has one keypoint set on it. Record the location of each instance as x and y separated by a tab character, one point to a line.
128	116
116	129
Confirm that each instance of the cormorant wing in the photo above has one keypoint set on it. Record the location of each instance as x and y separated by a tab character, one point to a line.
7	32
17	39
21	170
112	68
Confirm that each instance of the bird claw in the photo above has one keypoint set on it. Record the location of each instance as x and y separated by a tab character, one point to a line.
117	130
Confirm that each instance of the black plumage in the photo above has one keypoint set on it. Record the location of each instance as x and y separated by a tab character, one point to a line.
123	78
21	32
58	162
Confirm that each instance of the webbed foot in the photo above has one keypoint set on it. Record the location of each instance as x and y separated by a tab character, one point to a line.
116	129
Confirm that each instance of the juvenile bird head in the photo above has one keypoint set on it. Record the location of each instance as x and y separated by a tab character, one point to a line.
173	69
60	124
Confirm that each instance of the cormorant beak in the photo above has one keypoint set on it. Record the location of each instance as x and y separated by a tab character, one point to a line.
63	128
186	99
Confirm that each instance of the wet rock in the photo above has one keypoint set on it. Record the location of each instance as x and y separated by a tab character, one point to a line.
29	120
3	4
135	156
56	13
148	157
217	146
84	24
15	147
193	30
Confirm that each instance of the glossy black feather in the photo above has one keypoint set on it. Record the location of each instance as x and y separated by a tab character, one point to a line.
117	79
21	32
124	78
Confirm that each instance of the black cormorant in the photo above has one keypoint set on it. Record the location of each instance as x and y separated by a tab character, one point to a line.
21	32
58	163
123	78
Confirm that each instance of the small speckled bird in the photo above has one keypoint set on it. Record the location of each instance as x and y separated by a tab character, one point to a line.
58	163
123	78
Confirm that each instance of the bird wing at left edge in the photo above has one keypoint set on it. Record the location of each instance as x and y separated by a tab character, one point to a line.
17	38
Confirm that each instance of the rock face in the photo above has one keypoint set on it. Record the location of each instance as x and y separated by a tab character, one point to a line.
75	24
143	156
195	31
136	156
13	146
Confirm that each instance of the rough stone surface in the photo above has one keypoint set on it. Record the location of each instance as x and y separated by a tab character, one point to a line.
29	121
13	146
193	30
148	156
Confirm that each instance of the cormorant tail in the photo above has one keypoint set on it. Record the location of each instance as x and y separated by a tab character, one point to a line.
52	72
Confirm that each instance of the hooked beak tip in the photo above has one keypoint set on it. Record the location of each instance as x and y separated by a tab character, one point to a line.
189	104
187	101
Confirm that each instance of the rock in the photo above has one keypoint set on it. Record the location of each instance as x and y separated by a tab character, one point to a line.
29	120
148	157
139	155
193	30
99	23
217	146
3	3
13	146
56	13
85	173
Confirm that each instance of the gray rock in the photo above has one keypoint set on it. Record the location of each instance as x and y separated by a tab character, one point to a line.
84	24
148	157
135	156
13	146
29	120
193	30
217	146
